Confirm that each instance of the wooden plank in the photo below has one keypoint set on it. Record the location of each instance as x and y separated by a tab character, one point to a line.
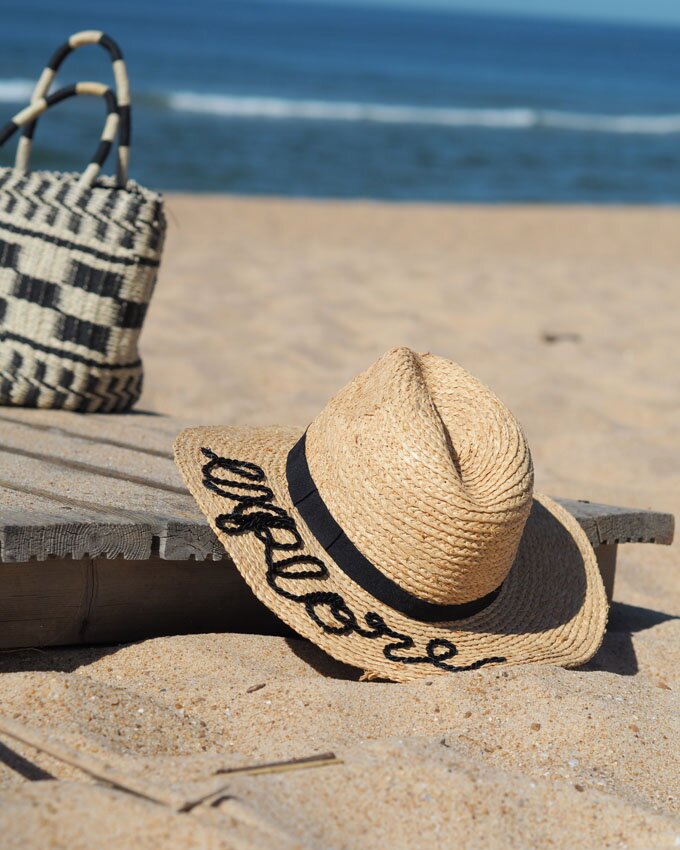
61	601
75	485
609	524
72	451
137	432
101	425
80	446
35	528
64	601
181	541
85	502
43	604
606	561
35	523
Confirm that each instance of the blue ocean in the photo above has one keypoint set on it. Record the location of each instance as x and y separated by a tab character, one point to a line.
304	99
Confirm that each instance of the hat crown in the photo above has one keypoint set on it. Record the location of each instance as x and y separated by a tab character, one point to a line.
427	473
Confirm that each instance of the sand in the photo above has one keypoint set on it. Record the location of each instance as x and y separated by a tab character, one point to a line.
263	309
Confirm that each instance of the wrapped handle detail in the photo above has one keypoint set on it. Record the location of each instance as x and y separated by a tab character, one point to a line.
28	116
80	39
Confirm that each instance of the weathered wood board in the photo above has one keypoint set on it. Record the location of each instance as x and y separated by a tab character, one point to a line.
101	542
107	486
97	600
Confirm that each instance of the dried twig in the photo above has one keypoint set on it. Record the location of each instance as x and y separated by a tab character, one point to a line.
283	766
100	770
258	769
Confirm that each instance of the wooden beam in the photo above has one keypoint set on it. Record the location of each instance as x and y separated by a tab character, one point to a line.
606	561
609	524
62	601
65	601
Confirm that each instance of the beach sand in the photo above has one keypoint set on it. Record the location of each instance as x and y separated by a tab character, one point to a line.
263	309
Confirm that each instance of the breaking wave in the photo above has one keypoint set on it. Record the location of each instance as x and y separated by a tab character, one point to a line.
16	90
274	108
19	91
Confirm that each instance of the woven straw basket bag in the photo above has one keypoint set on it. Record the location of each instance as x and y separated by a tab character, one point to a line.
79	256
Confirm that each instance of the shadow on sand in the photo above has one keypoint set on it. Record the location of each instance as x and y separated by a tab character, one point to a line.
617	653
22	766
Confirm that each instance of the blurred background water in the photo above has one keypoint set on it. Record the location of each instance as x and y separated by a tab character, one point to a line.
286	98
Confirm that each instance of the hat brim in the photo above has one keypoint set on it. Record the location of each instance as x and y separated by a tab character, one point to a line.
551	609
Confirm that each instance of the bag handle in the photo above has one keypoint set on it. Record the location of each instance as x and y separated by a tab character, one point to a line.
120	75
29	114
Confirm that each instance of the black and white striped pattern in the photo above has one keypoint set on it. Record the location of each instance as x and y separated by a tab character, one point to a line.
80	39
37	107
79	257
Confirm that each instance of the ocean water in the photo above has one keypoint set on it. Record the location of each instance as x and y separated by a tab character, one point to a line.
286	98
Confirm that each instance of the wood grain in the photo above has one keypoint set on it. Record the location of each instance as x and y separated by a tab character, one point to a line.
100	542
106	486
62	601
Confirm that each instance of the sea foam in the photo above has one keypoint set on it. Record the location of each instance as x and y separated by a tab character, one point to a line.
275	108
18	90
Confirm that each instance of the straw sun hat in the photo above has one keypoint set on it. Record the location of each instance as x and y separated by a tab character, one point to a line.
400	532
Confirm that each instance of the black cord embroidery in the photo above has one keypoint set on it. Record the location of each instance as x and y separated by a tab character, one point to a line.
254	512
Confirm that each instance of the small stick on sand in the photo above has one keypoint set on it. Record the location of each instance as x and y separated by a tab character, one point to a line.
283	766
102	771
258	769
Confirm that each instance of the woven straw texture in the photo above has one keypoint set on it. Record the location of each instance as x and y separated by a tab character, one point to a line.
77	270
430	477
